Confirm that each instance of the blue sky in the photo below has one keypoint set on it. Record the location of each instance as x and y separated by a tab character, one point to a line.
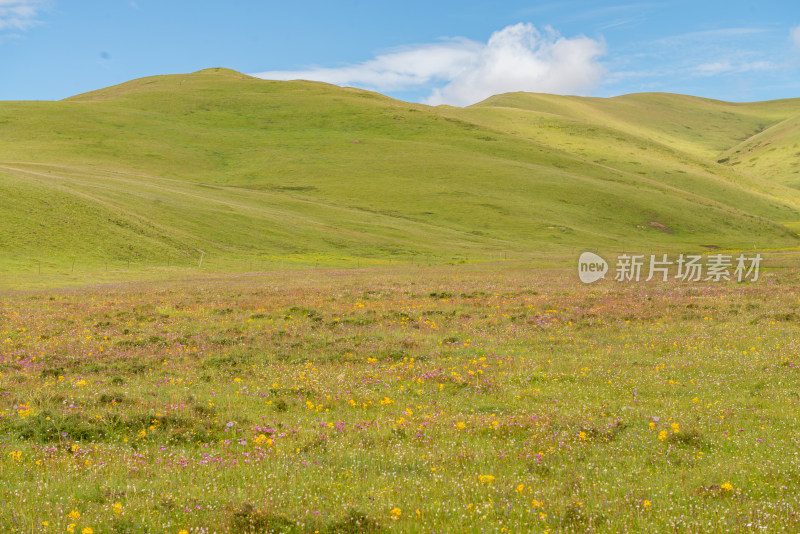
454	52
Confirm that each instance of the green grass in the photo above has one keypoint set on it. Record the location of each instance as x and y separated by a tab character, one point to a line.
772	154
154	171
697	126
462	398
458	379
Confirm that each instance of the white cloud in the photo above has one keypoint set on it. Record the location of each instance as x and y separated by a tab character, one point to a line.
794	35
18	14
520	58
705	63
398	70
710	36
462	71
727	67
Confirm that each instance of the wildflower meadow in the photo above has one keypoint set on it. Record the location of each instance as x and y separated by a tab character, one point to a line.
459	398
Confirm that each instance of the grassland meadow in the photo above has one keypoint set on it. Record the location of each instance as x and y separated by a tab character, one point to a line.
462	398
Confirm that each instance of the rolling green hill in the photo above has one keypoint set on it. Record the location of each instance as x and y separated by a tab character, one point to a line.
773	154
161	168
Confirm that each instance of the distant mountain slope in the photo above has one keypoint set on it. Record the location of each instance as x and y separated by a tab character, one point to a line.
635	142
239	167
773	154
698	126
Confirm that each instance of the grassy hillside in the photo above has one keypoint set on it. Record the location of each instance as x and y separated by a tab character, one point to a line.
773	154
657	136
161	168
694	125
